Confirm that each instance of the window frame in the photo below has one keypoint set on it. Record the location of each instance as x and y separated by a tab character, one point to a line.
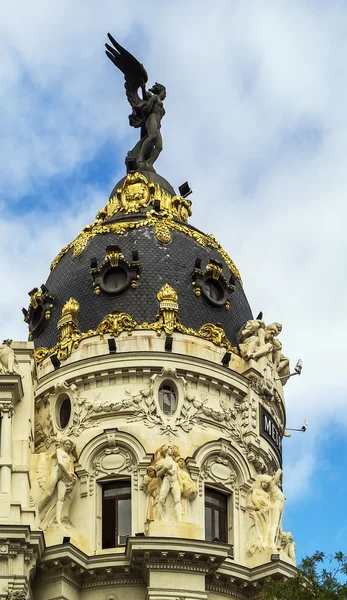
114	500
169	384
214	509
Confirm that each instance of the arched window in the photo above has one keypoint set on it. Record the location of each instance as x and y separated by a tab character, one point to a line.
116	513
216	516
167	398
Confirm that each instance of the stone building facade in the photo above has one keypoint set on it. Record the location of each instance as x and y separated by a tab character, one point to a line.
141	425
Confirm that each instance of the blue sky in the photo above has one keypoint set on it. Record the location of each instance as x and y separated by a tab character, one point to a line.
256	120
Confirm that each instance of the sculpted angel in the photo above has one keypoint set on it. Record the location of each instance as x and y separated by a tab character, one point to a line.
147	112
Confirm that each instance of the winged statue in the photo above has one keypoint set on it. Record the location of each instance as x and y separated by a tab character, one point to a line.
147	112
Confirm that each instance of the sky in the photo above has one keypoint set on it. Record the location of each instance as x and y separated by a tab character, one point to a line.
256	121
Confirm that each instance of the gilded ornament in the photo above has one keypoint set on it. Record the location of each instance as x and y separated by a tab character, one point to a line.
115	323
41	353
215	334
162	232
114	255
35	297
168	308
69	334
215	269
135	193
181	207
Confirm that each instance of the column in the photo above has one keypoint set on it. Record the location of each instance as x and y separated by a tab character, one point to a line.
6	410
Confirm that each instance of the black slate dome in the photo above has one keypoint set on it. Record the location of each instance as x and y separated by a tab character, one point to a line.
122	261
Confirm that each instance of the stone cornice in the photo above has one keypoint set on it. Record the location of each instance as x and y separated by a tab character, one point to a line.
137	361
20	538
11	388
145	554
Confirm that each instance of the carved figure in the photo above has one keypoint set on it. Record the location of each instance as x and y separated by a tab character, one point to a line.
256	341
288	544
280	362
167	470
151	485
8	360
146	113
265	504
187	485
169	486
56	498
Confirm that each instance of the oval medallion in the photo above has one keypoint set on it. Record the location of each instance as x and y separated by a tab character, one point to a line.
112	462
220	471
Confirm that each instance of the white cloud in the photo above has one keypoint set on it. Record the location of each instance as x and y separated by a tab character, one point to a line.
255	120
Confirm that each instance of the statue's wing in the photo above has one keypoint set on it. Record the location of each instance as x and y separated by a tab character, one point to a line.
134	72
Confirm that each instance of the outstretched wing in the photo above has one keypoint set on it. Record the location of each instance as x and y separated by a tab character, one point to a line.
134	72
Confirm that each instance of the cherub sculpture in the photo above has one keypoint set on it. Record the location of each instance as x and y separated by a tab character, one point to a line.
147	112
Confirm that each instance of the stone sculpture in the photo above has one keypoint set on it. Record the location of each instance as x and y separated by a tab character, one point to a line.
167	470
147	112
260	341
168	486
288	544
8	360
264	506
58	483
151	485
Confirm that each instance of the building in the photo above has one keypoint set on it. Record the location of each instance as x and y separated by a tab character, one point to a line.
141	426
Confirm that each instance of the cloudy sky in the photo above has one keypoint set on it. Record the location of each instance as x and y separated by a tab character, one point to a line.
256	121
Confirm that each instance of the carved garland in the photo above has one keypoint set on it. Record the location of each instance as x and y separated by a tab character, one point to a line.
161	223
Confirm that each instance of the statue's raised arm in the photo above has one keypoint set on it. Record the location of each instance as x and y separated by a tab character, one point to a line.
147	112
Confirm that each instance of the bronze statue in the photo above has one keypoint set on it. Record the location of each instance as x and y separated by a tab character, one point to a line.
148	112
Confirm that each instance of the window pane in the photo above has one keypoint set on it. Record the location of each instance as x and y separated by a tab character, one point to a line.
124	519
216	499
167	399
208	523
114	490
222	523
108	524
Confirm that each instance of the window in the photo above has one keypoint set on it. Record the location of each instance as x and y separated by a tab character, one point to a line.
216	525
167	399
214	290
116	513
63	410
115	279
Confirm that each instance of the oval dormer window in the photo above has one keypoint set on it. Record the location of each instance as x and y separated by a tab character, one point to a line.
64	411
167	398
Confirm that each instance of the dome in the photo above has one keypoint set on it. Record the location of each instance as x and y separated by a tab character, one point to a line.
140	242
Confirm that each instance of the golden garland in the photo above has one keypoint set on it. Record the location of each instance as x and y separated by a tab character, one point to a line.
162	224
117	322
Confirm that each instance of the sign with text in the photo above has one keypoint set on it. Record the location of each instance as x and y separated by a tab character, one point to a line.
270	431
